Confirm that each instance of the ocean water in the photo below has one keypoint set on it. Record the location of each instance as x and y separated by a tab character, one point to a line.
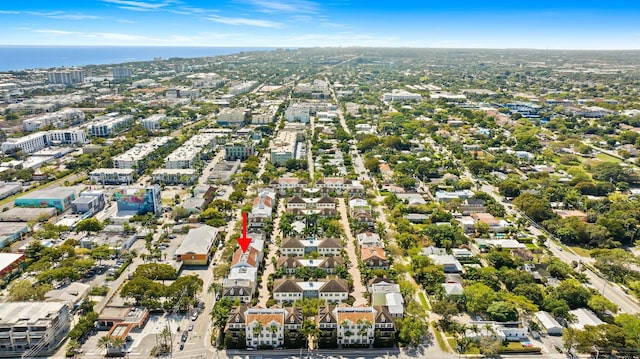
13	58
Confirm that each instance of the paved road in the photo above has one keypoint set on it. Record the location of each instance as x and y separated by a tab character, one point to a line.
607	288
359	289
273	249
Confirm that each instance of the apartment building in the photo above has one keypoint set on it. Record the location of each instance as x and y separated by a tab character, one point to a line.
283	147
121	73
41	326
239	150
65	77
112	176
107	125
133	157
188	155
235	117
401	95
153	122
265	327
58	119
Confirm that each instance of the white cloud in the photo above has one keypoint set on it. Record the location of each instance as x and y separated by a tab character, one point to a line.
291	6
63	15
240	21
9	12
139	5
98	35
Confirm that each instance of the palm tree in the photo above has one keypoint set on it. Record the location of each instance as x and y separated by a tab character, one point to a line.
364	324
273	329
117	342
165	334
104	342
257	329
73	345
489	328
475	329
311	331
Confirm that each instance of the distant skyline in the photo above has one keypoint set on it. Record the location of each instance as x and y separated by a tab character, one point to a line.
542	24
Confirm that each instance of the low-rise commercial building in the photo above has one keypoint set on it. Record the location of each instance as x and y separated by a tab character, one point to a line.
57	197
196	247
11	265
89	202
9	189
19	214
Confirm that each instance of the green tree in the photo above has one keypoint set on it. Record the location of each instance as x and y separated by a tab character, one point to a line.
156	271
25	291
179	213
537	208
446	308
601	305
479	297
503	312
140	288
100	253
89	225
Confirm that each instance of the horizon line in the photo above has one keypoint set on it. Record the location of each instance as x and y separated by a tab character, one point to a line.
322	47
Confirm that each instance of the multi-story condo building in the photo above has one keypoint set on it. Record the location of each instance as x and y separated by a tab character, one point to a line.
182	92
265	327
401	95
188	155
242	87
290	291
112	176
121	73
58	119
40	140
239	150
175	176
65	77
69	136
134	156
28	144
107	125
153	122
284	146
297	113
33	329
235	117
356	325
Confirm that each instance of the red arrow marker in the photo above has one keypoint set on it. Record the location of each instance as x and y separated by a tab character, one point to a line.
244	241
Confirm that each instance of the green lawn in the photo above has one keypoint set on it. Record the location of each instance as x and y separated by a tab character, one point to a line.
606	158
423	300
580	251
453	343
440	340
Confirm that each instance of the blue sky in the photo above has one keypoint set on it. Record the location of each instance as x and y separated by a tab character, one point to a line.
613	24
